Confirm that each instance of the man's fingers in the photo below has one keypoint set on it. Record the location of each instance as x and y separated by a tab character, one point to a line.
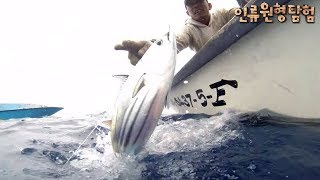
119	47
128	45
136	49
144	49
133	46
133	58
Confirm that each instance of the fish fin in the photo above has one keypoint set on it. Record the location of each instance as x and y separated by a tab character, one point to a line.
167	103
107	123
121	76
139	85
122	79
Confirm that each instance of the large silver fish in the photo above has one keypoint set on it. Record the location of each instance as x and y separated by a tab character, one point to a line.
143	97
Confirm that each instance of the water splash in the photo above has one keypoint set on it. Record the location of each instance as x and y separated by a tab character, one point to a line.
191	134
101	156
169	137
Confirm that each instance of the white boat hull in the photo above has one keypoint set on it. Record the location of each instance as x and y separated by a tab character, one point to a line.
275	66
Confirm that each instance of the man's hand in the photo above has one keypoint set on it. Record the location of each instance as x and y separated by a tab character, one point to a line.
136	49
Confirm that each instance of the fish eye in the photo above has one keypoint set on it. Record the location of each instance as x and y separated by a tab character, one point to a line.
159	43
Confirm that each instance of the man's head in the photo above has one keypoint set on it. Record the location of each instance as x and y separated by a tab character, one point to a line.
198	9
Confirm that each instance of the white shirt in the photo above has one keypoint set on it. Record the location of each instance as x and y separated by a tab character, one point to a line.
195	34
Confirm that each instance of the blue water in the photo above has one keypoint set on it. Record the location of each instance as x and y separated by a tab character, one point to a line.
226	146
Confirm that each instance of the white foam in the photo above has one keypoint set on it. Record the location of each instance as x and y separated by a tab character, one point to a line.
112	166
169	136
191	134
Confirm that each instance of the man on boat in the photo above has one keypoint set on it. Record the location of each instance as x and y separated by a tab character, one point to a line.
201	26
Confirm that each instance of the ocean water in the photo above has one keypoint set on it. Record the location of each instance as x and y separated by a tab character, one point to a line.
226	146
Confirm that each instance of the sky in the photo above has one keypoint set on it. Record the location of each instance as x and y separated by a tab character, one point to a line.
60	53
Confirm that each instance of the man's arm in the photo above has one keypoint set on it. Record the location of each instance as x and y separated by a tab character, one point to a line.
226	15
183	39
136	49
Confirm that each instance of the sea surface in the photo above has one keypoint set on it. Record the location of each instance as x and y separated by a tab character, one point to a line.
188	146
